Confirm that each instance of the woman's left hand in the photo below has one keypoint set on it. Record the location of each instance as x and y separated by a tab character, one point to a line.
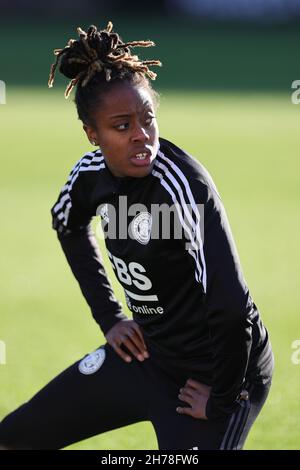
196	395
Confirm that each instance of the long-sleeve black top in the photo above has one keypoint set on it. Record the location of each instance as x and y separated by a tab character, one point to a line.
180	270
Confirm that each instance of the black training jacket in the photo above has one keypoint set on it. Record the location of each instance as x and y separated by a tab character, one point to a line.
187	292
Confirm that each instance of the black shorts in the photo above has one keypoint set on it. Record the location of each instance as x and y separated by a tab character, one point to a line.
102	392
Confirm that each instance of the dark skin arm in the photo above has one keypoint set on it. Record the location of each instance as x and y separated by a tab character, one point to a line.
196	395
129	334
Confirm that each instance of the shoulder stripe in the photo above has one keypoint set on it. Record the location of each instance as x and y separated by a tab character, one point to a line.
175	182
92	161
182	218
191	201
193	252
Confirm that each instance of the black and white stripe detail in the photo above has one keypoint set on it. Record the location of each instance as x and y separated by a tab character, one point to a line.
177	185
236	425
91	161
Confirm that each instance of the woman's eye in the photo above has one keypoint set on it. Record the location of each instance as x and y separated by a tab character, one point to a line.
149	119
122	127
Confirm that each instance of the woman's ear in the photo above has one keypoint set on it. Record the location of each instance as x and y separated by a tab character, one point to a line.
91	134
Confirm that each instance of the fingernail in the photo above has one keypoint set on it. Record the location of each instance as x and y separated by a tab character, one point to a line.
140	357
128	359
146	354
178	410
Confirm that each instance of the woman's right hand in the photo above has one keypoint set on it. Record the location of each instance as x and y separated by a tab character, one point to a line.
127	333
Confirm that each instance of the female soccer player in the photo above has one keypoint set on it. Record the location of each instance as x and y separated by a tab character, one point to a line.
195	360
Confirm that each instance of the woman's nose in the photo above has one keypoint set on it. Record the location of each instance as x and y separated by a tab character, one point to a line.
140	134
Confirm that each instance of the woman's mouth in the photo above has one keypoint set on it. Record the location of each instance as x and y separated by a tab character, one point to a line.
141	159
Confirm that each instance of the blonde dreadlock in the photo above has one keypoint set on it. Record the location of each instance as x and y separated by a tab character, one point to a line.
96	52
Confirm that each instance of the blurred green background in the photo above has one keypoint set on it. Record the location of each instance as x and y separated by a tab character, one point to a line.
225	98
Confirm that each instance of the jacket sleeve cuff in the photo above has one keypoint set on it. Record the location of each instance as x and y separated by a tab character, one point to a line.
106	322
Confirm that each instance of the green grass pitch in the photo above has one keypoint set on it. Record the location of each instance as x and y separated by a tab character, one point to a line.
250	145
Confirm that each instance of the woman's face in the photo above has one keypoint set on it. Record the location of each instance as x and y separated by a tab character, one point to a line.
126	130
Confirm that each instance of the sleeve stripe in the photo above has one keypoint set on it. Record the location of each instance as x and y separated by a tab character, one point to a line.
64	203
192	202
193	252
186	220
166	170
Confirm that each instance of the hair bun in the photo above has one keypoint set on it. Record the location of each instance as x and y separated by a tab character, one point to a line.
98	51
69	65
